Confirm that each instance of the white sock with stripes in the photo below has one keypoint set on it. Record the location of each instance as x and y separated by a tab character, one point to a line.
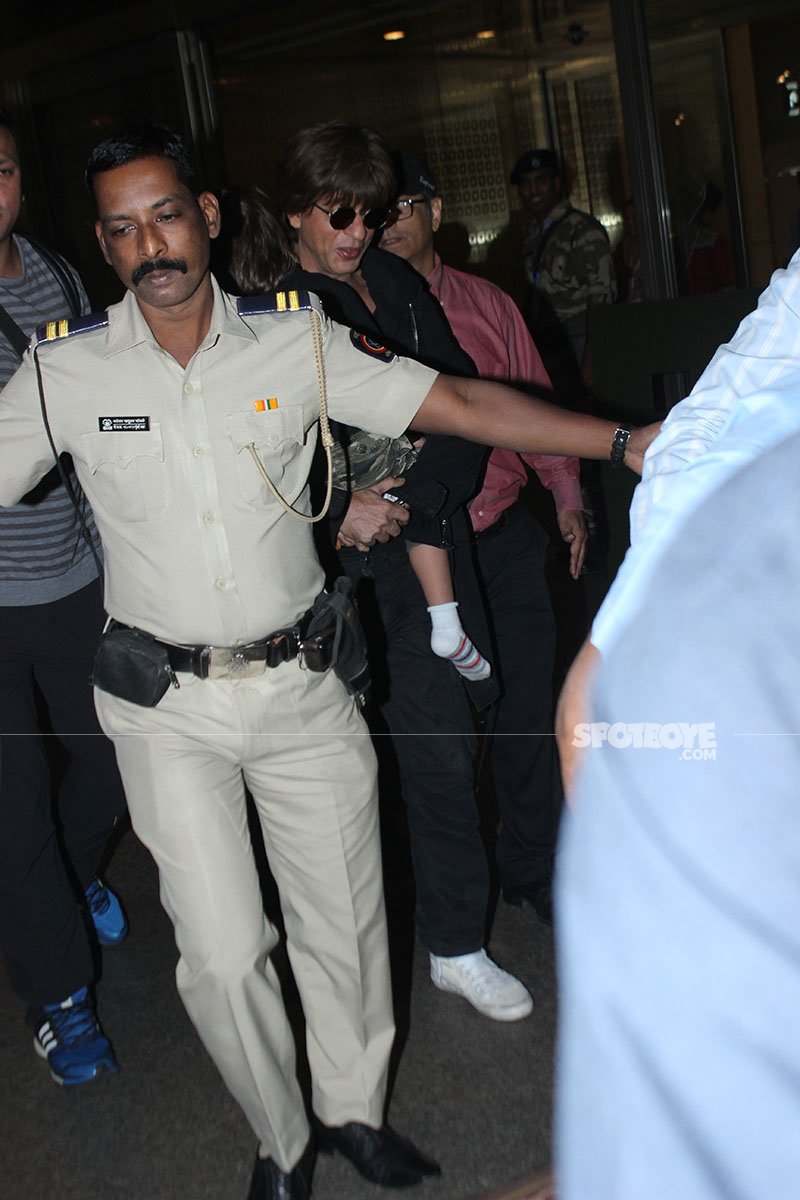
448	640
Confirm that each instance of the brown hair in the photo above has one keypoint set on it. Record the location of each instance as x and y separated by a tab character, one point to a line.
342	162
251	254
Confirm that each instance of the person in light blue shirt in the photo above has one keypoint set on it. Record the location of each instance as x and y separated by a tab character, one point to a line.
678	904
762	357
764	354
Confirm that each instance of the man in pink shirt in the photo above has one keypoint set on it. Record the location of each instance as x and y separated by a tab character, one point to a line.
510	550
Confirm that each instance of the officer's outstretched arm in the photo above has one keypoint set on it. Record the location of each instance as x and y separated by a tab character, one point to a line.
497	415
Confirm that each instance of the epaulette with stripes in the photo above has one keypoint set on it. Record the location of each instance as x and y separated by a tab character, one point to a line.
52	331
274	302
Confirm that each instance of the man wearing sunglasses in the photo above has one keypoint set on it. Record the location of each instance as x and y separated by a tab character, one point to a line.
334	186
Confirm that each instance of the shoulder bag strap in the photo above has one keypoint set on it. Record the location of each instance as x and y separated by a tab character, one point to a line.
9	327
58	267
12	332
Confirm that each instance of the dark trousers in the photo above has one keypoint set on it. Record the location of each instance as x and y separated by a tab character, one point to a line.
49	648
511	558
422	701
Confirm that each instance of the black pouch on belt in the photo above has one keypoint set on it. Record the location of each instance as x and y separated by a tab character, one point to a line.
334	638
131	665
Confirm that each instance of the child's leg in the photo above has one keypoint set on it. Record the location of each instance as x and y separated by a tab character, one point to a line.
448	639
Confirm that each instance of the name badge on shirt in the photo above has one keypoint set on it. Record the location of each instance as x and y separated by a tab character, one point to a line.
123	424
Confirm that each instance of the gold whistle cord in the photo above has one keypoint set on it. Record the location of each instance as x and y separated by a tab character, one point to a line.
324	428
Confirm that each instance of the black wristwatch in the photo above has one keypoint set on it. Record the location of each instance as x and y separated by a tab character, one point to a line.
622	435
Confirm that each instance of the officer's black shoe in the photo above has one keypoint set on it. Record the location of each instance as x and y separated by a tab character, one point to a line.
380	1155
535	897
269	1182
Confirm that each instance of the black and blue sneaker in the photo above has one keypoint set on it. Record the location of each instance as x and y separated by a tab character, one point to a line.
105	911
70	1038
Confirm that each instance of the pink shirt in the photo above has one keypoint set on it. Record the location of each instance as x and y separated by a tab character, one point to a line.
490	328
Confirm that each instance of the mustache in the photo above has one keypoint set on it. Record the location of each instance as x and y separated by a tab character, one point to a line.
157	264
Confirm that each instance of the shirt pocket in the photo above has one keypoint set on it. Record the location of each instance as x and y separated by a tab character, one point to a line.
276	436
128	473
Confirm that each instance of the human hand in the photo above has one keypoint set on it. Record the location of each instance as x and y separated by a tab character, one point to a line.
370	518
574	531
572	710
638	443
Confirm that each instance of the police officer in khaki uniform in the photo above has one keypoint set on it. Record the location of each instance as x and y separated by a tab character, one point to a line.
175	406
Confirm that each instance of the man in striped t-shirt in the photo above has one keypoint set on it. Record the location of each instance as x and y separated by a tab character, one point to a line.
51	619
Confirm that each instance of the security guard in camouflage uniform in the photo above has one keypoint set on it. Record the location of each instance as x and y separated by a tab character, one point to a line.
566	255
568	264
177	406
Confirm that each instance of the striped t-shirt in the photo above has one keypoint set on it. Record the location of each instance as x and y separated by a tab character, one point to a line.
43	554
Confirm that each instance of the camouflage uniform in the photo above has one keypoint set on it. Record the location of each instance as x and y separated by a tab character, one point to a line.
573	269
365	459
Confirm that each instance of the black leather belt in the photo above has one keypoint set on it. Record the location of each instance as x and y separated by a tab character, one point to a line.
210	661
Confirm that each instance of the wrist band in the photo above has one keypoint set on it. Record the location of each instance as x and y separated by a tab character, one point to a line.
622	435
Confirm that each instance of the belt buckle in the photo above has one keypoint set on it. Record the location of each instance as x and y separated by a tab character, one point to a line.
231	662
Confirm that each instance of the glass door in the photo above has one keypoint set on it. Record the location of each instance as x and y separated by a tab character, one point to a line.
66	110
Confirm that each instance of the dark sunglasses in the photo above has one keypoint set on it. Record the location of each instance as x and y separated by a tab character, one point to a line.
373	218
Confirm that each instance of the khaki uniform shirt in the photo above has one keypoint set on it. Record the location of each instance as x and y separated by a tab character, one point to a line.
197	550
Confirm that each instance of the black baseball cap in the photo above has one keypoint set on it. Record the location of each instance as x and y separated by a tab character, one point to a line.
413	175
534	160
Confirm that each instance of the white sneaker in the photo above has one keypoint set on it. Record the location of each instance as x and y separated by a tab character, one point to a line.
488	988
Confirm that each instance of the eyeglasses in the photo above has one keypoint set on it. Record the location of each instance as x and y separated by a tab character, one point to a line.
373	218
405	207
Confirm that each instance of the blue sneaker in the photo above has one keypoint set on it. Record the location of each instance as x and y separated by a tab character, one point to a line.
105	910
69	1037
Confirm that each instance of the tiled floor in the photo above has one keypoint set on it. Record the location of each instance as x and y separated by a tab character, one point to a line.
474	1093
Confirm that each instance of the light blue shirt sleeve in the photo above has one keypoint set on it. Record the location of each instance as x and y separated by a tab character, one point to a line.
761	361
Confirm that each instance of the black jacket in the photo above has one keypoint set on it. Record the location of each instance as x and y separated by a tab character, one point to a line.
411	322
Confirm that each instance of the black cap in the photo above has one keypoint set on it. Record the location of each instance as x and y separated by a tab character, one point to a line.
534	160
413	175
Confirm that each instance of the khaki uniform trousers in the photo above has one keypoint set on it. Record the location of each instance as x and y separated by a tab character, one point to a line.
297	741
